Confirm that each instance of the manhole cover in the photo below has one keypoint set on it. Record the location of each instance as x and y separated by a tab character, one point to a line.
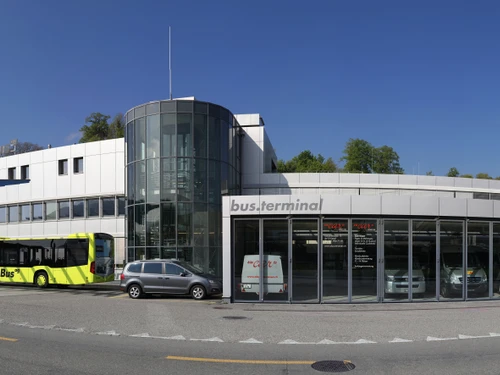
234	317
333	366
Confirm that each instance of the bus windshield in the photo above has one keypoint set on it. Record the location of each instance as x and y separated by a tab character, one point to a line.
104	255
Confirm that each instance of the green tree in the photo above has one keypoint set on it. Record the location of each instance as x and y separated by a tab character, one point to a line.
453	172
23	147
361	157
117	127
307	162
97	128
429	173
467	176
358	156
484	176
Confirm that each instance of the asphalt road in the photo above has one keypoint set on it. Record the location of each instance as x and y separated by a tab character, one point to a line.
89	332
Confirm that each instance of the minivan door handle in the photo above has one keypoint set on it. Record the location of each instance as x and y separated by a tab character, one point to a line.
166	278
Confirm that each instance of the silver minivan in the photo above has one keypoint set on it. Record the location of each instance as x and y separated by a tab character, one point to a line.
167	276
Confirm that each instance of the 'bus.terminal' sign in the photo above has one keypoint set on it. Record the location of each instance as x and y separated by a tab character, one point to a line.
266	206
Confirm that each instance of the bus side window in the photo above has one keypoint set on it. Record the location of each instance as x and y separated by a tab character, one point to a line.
36	256
24	256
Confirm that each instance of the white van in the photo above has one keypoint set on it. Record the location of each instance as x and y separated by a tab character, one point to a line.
273	274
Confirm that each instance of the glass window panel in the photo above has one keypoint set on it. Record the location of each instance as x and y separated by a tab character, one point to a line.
131	184
168	253
214	182
184	185
275	264
200	136
152	253
130	115
200	223
304	259
184	143
152	225
335	260
140	227
153	177
397	281
25	212
214	225
63	209
51	210
130	254
184	106
130	224
424	256
25	172
153	136
37	211
246	253
78	208
3	214
478	259
130	142
224	141
200	107
213	138
108	206
156	268
168	224
92	207
140	182
452	269
140	111
364	260
77	165
185	254
496	260
168	140
152	108
140	253
215	261
121	206
200	180
214	110
169	180
140	138
184	224
168	106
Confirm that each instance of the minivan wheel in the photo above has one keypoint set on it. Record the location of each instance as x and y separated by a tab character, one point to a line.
445	292
198	292
135	291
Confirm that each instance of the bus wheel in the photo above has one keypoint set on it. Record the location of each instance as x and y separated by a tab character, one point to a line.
41	279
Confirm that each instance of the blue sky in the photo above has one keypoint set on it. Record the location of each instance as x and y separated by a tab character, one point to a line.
422	77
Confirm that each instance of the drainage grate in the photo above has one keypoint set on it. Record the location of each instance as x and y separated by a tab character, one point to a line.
234	317
333	366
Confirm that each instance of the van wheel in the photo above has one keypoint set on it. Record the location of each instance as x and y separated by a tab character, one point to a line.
445	292
41	279
198	292
135	291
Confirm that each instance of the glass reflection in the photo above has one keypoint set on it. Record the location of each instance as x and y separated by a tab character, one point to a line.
478	259
335	260
275	260
452	262
305	260
424	252
364	260
397	279
496	260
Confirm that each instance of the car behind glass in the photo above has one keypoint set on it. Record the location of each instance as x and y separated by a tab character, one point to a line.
167	276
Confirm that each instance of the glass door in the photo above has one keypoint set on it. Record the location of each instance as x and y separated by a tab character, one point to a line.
398	278
364	261
305	259
452	272
335	254
478	259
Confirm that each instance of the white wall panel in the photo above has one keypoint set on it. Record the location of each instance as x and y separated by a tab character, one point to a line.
336	205
366	205
389	179
63	185
78	226
78	184
369	178
479	208
349	178
452	207
309	178
93	225
426	180
496	209
64	153
12	230
480	183
396	205
37	229
329	178
108	225
289	178
50	228
25	230
63	227
92	148
50	179
49	155
108	175
12	193
407	179
93	175
119	173
37	182
424	206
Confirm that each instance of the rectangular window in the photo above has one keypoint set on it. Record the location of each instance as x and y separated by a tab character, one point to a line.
51	210
77	165
12	173
92	207
63	167
63	209
78	208
25	172
37	211
77	252
13	214
108	206
121	206
3	214
25	212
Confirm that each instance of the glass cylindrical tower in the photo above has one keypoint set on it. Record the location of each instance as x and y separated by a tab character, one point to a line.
182	157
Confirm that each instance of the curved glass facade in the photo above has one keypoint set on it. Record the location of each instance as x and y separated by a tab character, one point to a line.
182	157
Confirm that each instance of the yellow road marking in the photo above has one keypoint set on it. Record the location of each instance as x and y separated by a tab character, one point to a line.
242	361
7	339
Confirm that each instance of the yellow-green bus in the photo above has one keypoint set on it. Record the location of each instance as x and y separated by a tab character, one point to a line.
77	259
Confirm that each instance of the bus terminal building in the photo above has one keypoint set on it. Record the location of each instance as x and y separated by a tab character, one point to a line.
193	181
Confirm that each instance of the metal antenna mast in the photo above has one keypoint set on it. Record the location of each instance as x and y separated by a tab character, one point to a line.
170	60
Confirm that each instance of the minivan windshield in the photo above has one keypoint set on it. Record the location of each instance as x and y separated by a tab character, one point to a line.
193	269
454	260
